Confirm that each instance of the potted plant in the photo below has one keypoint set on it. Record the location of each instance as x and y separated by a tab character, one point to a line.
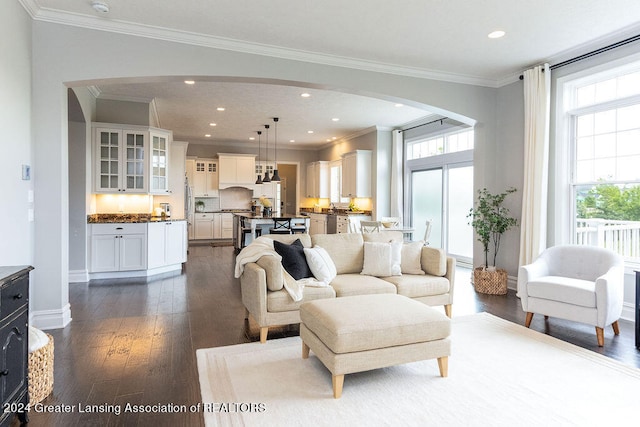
490	219
199	206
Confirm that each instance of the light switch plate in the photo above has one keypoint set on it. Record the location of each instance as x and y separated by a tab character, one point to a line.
26	172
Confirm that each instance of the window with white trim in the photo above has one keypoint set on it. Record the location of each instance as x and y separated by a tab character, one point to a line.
603	111
445	143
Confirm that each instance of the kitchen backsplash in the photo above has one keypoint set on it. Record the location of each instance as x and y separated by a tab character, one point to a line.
235	198
210	203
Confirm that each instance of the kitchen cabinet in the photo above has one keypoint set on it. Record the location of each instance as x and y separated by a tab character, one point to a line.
205	178
130	159
318	180
204	226
356	174
342	224
317	224
118	247
166	243
14	352
267	190
226	229
159	162
236	169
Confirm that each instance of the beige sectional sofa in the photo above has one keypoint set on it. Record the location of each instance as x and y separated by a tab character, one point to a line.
269	304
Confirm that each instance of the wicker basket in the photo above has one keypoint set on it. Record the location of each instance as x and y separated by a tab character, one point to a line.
490	282
41	372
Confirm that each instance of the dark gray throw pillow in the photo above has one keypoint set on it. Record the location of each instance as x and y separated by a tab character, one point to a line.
293	259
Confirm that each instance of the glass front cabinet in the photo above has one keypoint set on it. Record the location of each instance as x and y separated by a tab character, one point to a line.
130	159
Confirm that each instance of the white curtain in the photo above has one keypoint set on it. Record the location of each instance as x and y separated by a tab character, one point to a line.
397	205
533	224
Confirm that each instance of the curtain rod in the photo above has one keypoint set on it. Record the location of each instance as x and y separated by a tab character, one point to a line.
593	53
424	124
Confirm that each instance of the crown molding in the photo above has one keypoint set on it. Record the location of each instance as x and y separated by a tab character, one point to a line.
185	37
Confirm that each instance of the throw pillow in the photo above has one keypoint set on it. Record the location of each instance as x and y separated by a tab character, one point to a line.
272	267
382	259
321	264
411	256
293	259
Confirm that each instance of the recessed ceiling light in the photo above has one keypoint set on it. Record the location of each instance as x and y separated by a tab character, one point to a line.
496	34
213	124
252	138
399	105
305	95
190	82
100	6
328	140
334	137
335	119
220	108
207	135
309	131
292	140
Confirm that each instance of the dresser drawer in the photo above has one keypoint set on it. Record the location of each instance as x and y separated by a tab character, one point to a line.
119	228
13	295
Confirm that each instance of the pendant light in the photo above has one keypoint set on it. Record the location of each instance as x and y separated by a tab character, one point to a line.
275	176
266	178
259	180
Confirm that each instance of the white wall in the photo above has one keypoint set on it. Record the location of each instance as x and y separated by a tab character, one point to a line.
15	145
63	55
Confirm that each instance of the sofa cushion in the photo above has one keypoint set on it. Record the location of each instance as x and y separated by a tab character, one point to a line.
280	301
564	289
411	262
434	261
357	284
293	259
345	249
415	286
384	236
305	239
320	263
382	259
273	270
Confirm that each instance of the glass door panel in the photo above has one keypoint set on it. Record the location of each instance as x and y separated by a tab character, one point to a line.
109	161
460	201
426	204
134	178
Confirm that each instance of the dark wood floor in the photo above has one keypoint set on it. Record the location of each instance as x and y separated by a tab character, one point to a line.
134	341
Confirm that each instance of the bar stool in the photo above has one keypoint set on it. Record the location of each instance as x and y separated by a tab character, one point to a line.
245	228
281	226
298	228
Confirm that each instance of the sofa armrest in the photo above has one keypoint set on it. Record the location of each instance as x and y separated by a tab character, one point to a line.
253	285
610	295
451	276
528	273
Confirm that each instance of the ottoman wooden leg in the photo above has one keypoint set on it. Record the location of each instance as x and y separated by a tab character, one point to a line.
305	351
443	365
338	382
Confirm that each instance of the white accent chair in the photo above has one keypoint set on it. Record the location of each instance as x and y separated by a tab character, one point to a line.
574	282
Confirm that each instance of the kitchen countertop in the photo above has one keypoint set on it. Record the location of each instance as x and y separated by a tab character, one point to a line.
127	218
249	215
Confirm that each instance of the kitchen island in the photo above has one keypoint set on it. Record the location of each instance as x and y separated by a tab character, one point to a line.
259	221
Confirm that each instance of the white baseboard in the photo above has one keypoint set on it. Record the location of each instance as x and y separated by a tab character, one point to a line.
78	276
51	319
135	273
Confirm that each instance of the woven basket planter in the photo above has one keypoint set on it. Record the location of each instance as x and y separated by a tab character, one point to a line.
490	282
41	372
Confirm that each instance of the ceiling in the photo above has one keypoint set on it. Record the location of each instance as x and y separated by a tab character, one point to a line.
438	39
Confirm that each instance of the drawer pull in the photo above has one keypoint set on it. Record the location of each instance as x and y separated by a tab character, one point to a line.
4	373
17	296
119	228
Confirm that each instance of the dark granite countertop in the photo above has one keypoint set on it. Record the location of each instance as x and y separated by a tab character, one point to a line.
127	218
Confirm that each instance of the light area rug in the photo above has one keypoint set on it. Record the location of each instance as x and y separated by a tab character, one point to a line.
500	374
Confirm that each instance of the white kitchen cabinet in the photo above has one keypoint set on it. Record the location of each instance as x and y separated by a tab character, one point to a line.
342	224
159	161
118	247
318	180
203	228
236	169
227	226
356	174
124	160
267	190
217	225
166	243
317	224
205	178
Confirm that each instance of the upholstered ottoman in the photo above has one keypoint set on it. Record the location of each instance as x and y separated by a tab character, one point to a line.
364	332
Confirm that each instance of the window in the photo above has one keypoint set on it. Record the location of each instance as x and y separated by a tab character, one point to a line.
603	112
441	144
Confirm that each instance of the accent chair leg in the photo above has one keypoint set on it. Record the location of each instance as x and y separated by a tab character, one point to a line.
447	310
443	365
527	321
338	382
600	336
263	334
616	328
305	351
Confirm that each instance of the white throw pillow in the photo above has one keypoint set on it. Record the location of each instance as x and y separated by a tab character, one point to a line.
382	259
411	257
321	264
